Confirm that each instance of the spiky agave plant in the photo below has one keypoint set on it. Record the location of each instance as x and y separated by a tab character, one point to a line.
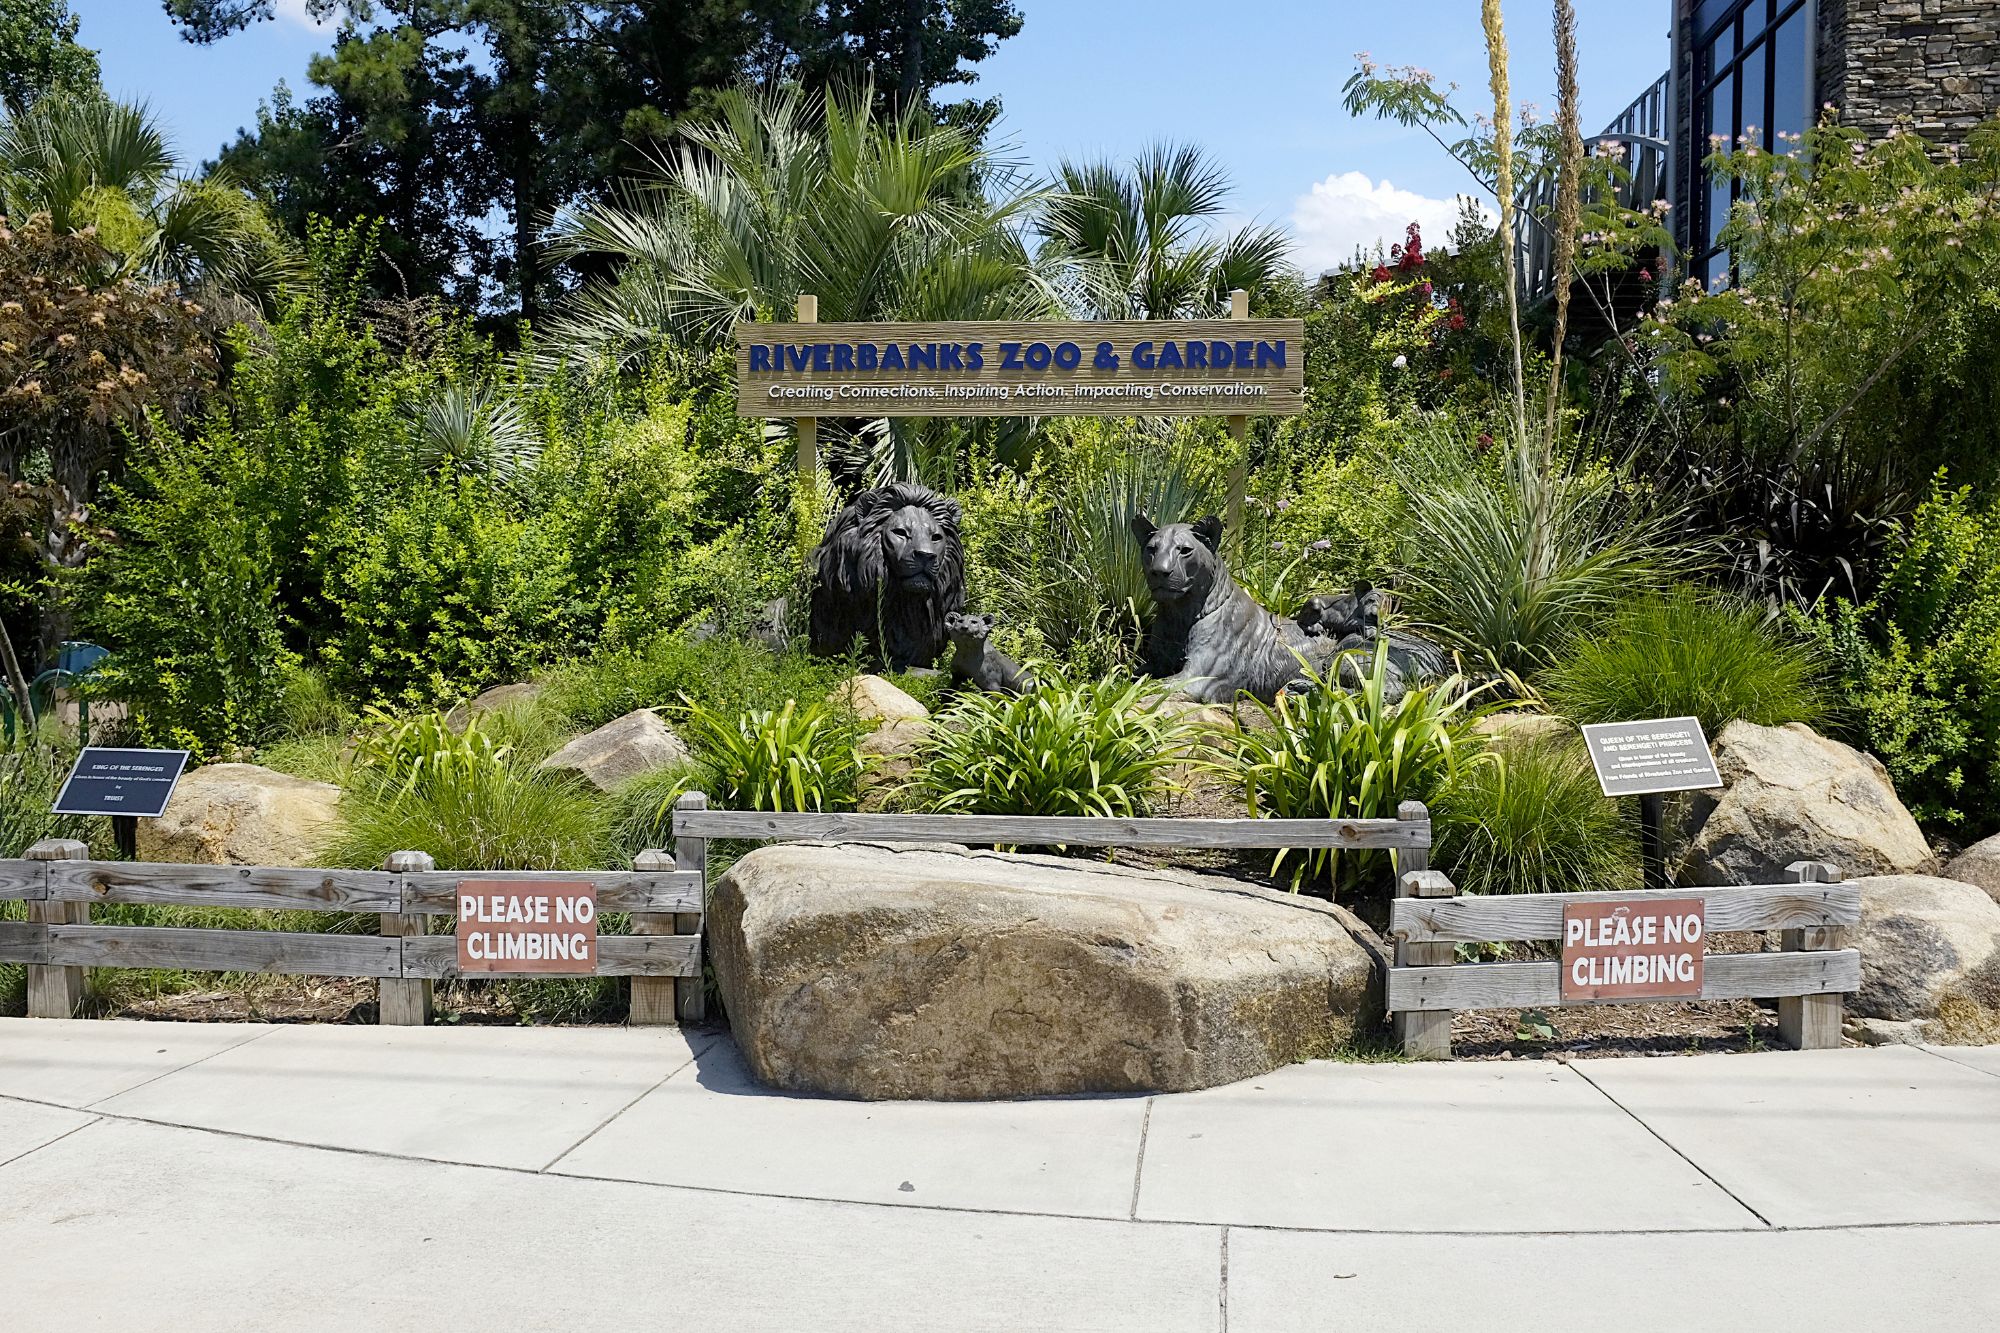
475	431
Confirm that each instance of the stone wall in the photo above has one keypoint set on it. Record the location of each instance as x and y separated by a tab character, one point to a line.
1931	64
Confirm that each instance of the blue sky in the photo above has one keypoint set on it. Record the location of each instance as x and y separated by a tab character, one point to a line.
1256	82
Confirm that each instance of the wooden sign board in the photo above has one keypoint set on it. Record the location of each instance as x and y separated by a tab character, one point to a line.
1193	367
110	781
531	926
1636	949
1650	757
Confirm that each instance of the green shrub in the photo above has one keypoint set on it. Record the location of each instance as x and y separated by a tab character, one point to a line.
1067	747
1688	653
420	785
795	757
1918	667
1533	821
1334	754
718	673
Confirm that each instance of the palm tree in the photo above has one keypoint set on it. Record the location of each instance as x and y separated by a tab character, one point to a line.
881	216
1137	243
93	164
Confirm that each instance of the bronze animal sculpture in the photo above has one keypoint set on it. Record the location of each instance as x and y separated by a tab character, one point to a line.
1211	641
974	659
1353	621
886	574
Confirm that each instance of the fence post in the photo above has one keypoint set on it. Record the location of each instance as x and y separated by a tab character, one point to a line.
1423	1035
1239	471
56	992
652	997
405	1001
691	855
1810	1022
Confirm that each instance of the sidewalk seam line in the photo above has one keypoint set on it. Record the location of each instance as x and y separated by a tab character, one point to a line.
1222	1293
77	1129
1139	1167
693	1055
147	1083
1954	1060
1704	1172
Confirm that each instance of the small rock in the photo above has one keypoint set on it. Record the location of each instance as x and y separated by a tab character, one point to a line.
1794	795
241	814
499	699
874	699
621	750
1883	1031
1978	864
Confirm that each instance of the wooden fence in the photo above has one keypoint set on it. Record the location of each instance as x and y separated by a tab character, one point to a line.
58	882
1807	977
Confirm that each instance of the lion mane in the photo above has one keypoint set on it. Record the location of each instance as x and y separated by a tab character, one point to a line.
858	594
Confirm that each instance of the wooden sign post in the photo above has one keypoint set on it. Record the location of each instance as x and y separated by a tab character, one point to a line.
1239	425
808	427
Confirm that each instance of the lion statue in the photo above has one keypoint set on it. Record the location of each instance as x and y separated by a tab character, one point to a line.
888	571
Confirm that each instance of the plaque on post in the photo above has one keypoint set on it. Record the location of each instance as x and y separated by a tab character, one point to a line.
1649	759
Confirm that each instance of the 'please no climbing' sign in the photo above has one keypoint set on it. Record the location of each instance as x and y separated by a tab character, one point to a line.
518	925
1634	949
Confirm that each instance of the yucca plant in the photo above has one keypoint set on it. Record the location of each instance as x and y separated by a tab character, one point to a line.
475	431
1066	747
1329	753
1534	821
797	758
1688	652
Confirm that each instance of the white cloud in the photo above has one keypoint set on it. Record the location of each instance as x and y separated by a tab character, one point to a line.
1348	209
295	11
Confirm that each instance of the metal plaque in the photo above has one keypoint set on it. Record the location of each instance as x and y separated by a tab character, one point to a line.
1646	758
109	781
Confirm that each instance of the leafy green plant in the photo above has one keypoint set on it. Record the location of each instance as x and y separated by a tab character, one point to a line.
1917	668
1101	747
1533	821
795	757
1334	754
1687	652
716	672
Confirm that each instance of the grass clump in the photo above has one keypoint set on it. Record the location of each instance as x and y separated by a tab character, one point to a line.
1686	652
1332	754
473	804
1100	747
719	673
1533	821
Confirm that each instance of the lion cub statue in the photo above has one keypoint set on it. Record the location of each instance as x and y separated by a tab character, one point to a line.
1211	640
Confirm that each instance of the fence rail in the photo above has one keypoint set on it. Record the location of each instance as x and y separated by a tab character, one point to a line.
1807	977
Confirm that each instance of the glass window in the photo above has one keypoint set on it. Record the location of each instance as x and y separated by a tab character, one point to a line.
1752	124
1721	121
1791	66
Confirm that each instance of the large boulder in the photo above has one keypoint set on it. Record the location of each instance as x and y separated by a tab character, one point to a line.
241	814
1927	945
1794	795
621	750
874	699
1979	864
934	972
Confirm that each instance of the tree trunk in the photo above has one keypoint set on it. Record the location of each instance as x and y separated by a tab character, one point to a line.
17	684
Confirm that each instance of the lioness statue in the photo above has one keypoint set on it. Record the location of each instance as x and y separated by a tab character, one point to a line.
887	573
1210	640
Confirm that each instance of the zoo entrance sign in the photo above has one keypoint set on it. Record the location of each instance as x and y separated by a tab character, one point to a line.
1236	367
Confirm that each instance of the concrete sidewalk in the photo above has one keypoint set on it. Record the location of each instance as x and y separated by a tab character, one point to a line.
188	1176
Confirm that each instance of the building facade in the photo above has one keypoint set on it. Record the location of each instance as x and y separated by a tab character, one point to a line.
1759	71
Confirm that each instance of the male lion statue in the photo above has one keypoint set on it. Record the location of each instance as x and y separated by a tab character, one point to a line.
887	573
1210	640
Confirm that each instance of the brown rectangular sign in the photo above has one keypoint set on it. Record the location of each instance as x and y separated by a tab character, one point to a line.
522	925
1637	949
1190	367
